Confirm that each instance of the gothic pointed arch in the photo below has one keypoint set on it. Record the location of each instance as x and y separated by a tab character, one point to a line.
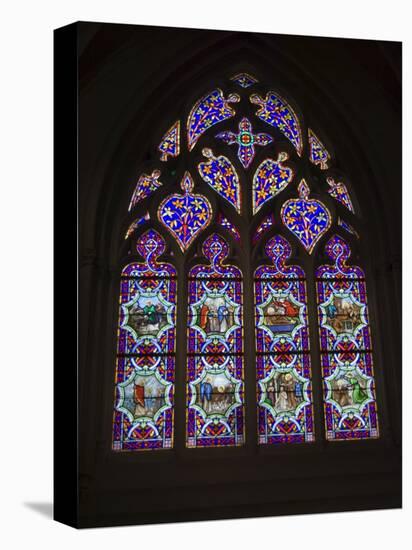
205	194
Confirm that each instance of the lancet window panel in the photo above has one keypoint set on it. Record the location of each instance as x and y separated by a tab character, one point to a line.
284	387
143	416
350	407
215	381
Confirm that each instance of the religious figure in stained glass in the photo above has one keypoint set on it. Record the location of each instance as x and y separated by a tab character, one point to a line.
145	370
170	144
215	402
221	175
308	219
346	347
270	178
339	192
284	391
145	186
276	111
244	80
246	141
318	154
185	216
208	111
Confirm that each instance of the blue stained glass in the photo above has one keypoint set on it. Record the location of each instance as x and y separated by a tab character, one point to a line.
136	223
224	222
208	111
318	154
221	175
271	177
339	192
145	186
347	227
185	216
170	144
308	219
267	222
276	111
246	141
244	80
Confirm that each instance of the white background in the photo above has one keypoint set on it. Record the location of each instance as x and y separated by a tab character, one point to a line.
26	270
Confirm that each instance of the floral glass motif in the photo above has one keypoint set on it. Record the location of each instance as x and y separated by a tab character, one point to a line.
224	222
208	111
271	177
339	192
246	141
185	216
276	111
146	185
284	389
347	227
220	174
318	154
244	79
134	225
170	144
215	394
264	225
145	367
308	219
346	347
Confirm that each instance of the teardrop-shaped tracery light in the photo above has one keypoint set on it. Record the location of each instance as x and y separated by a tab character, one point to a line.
185	216
277	112
209	110
308	219
221	175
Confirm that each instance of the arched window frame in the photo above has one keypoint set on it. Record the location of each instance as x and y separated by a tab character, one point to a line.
303	168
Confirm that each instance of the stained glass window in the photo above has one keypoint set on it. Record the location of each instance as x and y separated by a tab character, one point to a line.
145	366
208	111
318	154
221	175
267	222
284	390
170	144
136	223
270	178
245	141
214	351
347	227
339	191
145	186
308	219
185	216
277	112
224	222
215	402
244	79
346	347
